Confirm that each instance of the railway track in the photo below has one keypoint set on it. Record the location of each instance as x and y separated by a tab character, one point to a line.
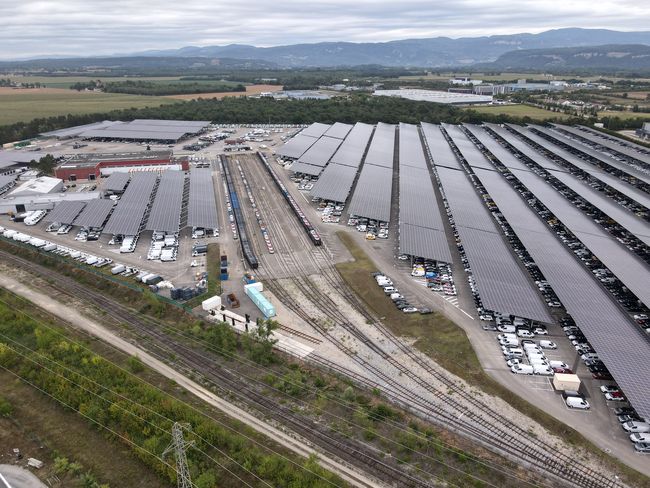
165	347
461	411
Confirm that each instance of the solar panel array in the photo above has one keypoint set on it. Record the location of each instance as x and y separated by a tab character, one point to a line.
612	181
594	153
374	191
619	342
307	169
147	129
420	219
321	151
79	129
296	146
503	284
116	182
335	183
315	130
440	151
338	130
338	177
202	206
165	213
623	142
128	215
95	213
627	219
607	143
65	212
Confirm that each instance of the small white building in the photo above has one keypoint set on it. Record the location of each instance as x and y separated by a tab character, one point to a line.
39	186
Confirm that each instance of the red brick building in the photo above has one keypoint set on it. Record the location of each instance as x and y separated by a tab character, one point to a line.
92	166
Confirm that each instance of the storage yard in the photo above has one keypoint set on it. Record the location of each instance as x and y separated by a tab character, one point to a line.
532	239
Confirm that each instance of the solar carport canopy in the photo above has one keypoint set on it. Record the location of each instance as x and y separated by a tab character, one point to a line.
296	147
307	169
619	342
202	207
116	182
503	284
339	130
639	196
315	130
335	183
411	152
321	151
440	150
165	213
148	129
625	143
373	193
627	219
129	212
351	151
423	242
609	144
65	212
382	147
95	213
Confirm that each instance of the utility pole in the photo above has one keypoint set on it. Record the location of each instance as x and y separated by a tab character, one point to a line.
179	447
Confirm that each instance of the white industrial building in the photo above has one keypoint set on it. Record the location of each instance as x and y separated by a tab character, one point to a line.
39	186
451	98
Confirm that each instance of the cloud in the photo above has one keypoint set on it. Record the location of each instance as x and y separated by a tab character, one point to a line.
99	27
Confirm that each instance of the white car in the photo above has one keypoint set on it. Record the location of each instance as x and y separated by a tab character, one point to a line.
522	369
547	345
542	369
577	402
638	437
409	310
540	331
632	426
558	364
512	362
525	333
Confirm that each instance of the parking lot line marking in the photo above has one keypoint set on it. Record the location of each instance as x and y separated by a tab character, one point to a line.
466	313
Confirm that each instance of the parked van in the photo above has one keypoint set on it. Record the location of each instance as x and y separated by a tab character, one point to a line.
542	369
577	402
507	328
521	369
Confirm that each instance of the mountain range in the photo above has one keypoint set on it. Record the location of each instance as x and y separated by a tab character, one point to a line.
431	52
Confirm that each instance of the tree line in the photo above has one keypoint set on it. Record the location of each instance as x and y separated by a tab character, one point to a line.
151	88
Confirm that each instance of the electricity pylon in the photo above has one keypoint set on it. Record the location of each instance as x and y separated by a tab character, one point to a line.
179	447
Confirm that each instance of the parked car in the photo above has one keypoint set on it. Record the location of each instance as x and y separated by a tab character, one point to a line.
577	403
615	396
640	437
609	388
643	447
547	345
632	426
522	369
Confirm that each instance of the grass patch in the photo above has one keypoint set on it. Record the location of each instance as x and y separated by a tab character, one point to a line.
519	110
447	344
624	115
25	105
213	267
67	81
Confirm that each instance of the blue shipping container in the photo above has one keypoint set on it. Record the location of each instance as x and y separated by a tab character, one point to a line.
261	302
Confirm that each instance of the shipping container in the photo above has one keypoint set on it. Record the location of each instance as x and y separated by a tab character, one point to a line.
211	303
260	301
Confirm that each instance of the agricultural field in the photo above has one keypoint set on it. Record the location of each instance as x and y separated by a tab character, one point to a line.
23	105
519	111
67	81
624	115
250	90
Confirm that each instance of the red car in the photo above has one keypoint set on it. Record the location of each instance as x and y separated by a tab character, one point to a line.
562	370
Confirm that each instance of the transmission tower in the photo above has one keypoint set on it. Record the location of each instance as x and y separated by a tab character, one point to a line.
179	447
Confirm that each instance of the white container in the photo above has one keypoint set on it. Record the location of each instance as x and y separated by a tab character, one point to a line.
257	285
566	382
211	303
120	268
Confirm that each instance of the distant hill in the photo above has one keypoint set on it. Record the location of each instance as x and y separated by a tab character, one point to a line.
432	52
629	57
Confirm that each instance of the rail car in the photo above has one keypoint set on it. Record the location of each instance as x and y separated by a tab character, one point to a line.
312	233
246	246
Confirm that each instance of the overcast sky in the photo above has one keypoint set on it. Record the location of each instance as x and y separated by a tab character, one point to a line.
30	28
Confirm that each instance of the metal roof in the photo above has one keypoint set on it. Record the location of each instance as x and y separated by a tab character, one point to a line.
307	169
65	212
79	129
607	143
128	214
594	153
411	152
612	181
148	129
503	284
165	213
619	342
373	194
424	243
339	130
296	146
623	142
202	206
382	146
627	219
335	183
440	151
321	151
95	213
315	130
116	182
351	151
7	180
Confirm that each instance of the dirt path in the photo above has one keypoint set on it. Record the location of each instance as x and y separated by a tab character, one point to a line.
72	316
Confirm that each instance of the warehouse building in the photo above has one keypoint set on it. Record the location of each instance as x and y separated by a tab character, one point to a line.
39	186
93	166
435	96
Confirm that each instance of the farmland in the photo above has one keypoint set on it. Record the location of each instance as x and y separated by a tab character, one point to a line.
27	104
519	111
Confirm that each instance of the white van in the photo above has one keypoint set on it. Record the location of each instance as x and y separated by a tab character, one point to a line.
519	322
521	369
542	369
577	402
507	328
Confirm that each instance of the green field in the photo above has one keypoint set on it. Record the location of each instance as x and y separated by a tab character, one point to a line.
519	111
67	81
25	105
624	115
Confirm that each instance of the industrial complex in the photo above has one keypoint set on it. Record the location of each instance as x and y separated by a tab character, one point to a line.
534	239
